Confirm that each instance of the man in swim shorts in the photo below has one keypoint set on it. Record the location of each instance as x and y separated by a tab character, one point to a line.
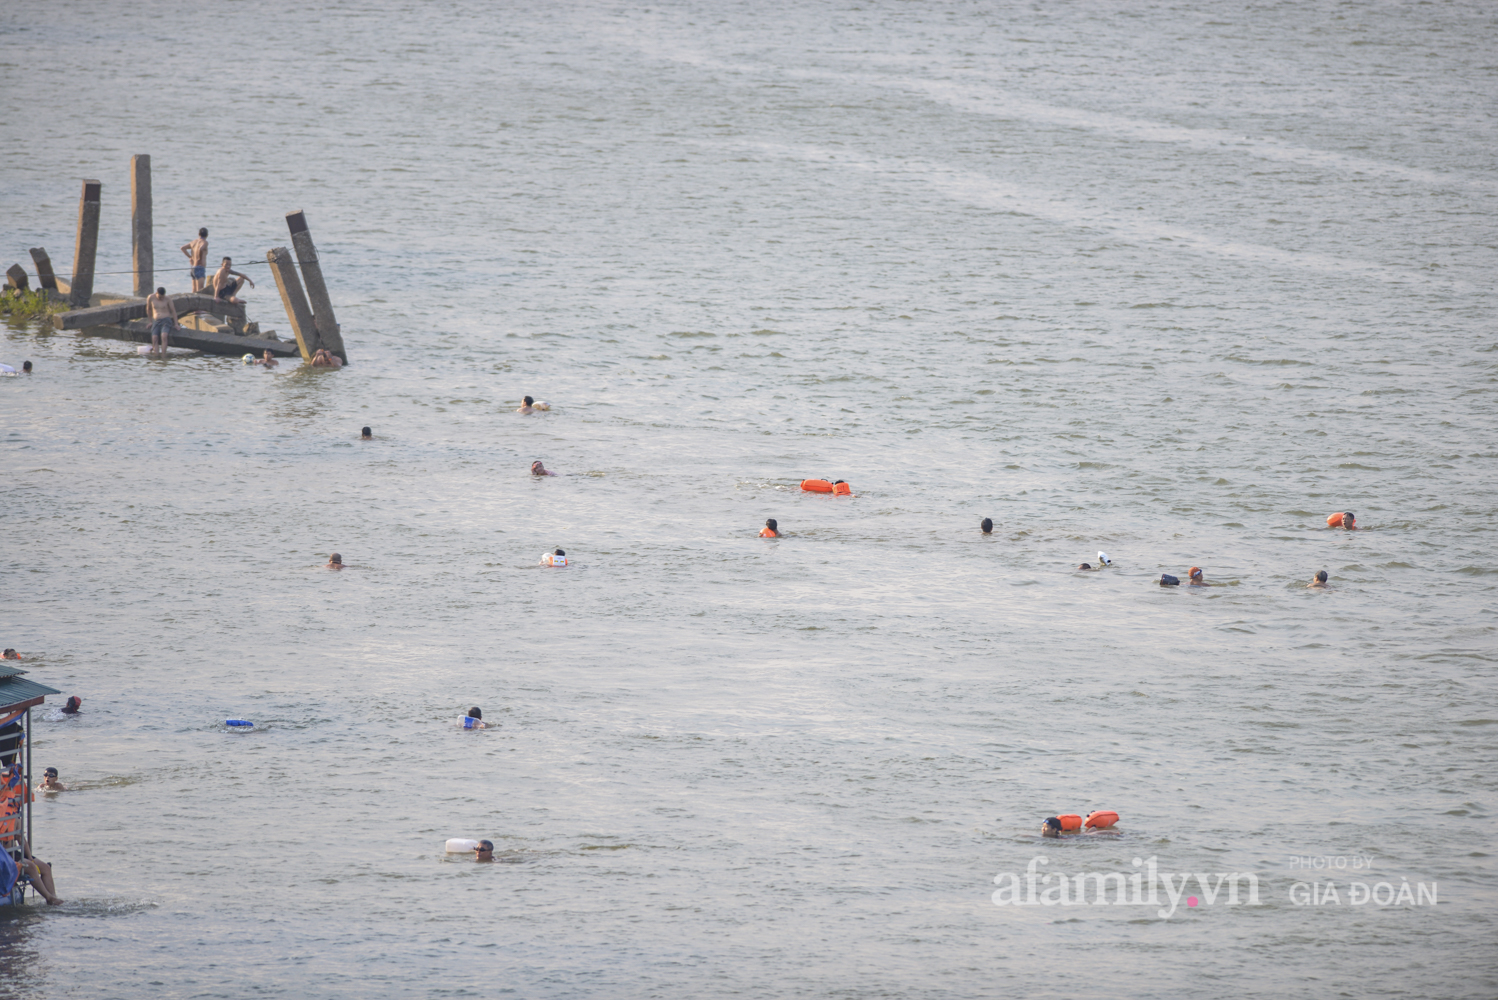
162	312
40	874
197	257
226	282
537	469
1319	583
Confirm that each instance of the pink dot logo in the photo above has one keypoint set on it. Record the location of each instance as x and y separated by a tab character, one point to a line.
1190	900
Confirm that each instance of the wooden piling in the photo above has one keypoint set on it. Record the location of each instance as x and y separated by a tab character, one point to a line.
85	247
143	256
44	276
15	277
328	333
292	297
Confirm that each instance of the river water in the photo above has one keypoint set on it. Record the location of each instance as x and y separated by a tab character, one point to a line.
1173	282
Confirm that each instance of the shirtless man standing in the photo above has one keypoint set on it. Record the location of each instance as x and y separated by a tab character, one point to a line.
227	281
162	312
197	256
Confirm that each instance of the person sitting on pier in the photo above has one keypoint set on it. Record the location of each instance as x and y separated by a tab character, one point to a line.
267	360
323	358
162	312
226	282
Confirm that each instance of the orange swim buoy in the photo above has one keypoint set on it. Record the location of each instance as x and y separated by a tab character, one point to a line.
768	533
1070	822
1335	521
1101	819
816	486
841	489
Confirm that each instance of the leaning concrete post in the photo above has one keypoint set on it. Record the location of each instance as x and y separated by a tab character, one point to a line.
15	277
322	306
144	256
85	247
44	276
297	310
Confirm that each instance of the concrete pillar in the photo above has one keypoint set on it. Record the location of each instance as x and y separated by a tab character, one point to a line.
297	310
85	247
144	257
44	276
317	292
15	277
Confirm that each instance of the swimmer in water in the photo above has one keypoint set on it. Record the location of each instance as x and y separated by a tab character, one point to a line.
771	528
267	360
1196	577
529	405
10	654
73	704
335	561
366	434
26	367
50	782
537	469
1319	583
1086	567
1344	519
484	852
986	526
557	558
477	713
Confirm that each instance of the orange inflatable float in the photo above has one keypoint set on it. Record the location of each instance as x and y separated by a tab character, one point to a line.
1101	819
1342	519
816	486
841	489
1070	823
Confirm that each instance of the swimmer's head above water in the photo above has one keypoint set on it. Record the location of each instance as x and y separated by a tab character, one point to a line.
365	433
771	529
1084	566
1051	827
74	703
484	852
10	654
1320	580
537	469
335	561
1196	576
475	713
986	525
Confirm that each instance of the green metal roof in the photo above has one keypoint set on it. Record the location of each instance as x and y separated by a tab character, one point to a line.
6	670
16	690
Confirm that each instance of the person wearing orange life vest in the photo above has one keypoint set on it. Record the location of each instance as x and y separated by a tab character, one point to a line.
771	529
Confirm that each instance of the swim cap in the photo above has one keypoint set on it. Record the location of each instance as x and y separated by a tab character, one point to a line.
50	772
1166	580
1053	822
1195	572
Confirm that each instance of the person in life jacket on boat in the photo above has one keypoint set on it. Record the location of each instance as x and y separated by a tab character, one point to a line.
1343	519
771	529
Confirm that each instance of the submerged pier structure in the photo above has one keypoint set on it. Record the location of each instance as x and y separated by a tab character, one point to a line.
205	322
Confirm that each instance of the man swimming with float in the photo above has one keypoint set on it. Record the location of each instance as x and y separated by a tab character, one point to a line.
1343	519
771	528
1319	583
